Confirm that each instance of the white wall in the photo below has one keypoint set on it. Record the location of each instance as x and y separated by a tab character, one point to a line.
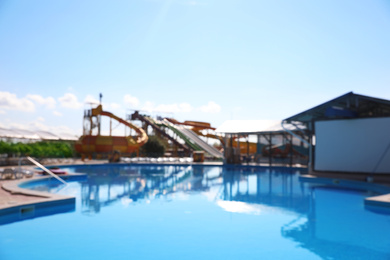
354	145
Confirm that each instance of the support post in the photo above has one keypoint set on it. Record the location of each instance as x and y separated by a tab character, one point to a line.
291	150
247	150
270	150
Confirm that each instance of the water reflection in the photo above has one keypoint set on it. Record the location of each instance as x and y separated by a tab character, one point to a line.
276	188
130	184
279	189
331	223
338	226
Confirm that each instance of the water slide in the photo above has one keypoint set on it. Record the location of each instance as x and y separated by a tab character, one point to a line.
198	127
174	129
193	140
149	121
90	143
142	139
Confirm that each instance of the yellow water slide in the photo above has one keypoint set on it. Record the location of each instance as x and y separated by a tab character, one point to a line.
90	143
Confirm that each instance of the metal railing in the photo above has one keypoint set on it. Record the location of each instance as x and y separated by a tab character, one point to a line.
46	170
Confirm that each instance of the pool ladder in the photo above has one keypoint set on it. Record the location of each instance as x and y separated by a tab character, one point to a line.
46	170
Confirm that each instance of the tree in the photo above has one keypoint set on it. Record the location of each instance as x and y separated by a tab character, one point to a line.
154	147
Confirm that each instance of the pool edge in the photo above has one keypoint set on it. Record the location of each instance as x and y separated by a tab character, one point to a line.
38	203
378	200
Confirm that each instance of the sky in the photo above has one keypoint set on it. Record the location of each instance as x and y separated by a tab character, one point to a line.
200	60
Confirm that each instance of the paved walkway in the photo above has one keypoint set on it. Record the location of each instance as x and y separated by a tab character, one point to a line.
7	199
17	196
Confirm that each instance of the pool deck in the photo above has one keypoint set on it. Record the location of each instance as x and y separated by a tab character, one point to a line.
11	199
12	196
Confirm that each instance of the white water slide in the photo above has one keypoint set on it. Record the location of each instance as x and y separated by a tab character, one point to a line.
195	139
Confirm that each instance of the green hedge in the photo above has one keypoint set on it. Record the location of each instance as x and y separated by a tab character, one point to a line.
58	149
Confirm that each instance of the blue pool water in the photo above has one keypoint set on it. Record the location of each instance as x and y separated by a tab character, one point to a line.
184	212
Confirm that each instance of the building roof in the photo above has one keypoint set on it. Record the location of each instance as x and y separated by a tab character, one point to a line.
349	105
252	127
34	135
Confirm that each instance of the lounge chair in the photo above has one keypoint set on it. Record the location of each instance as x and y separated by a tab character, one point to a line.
8	173
26	173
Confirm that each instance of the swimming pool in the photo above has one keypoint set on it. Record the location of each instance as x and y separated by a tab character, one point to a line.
200	212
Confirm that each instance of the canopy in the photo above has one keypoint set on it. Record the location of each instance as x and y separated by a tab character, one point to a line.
349	105
252	127
34	135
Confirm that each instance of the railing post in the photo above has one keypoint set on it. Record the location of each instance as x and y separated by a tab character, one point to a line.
45	169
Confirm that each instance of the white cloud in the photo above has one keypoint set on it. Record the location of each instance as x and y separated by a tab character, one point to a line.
37	125
18	125
117	109
57	130
49	102
69	100
40	126
185	108
56	113
61	129
115	105
91	99
10	101
40	123
148	106
167	108
211	107
172	108
237	109
2	112
131	101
